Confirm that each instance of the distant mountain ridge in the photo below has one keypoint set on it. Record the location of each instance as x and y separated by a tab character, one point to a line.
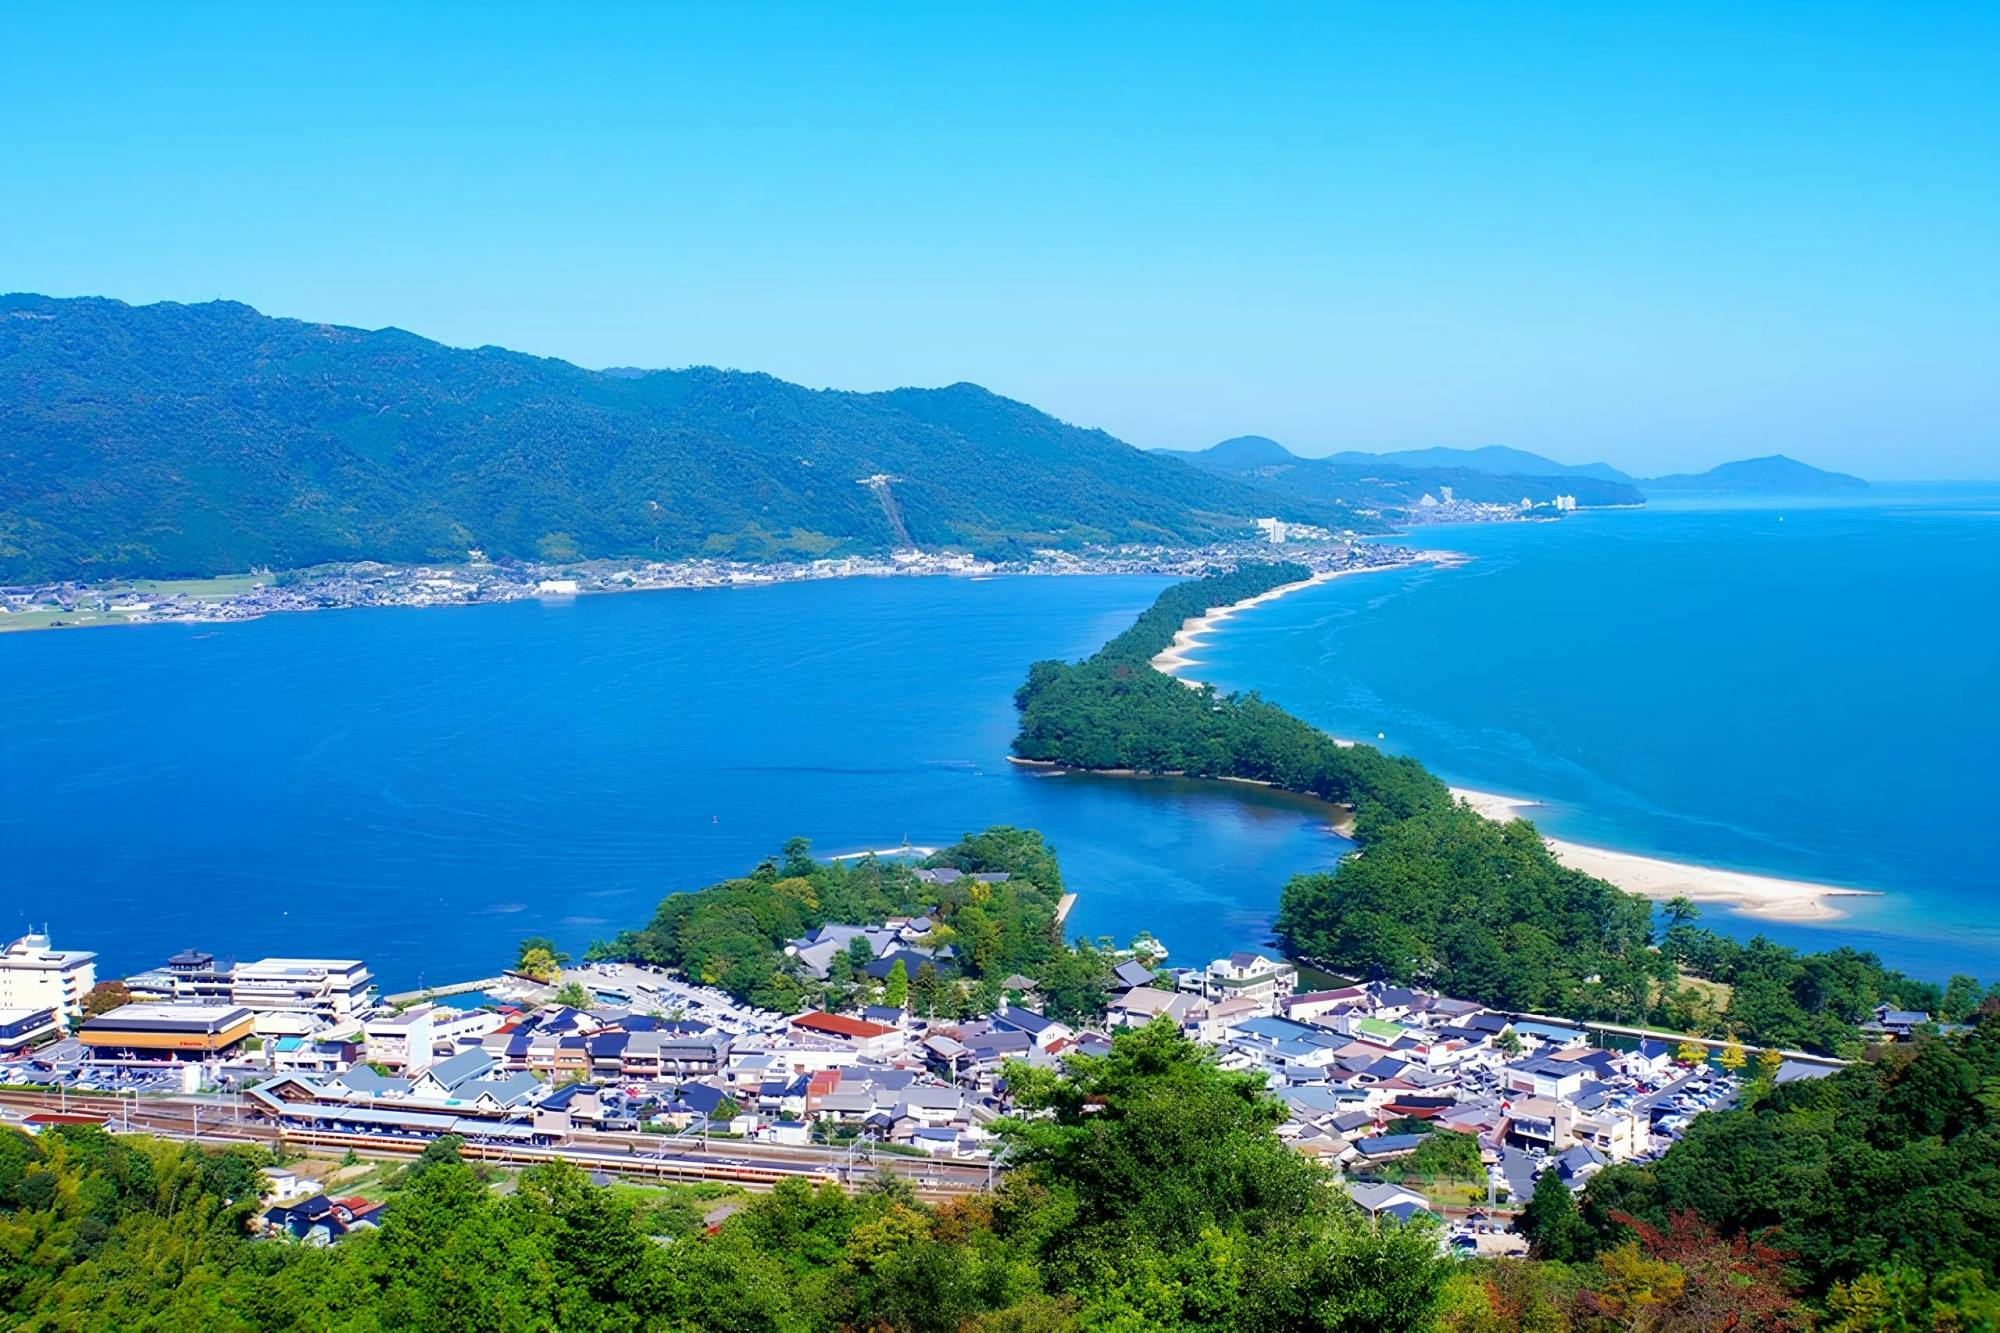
1496	459
1385	481
1266	459
173	440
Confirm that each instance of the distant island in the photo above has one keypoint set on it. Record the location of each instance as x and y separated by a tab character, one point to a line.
1775	475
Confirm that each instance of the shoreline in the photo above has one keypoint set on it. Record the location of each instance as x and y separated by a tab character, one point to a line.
1173	660
229	599
1742	892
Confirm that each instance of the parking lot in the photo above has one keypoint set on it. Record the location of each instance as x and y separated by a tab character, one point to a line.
649	988
50	1069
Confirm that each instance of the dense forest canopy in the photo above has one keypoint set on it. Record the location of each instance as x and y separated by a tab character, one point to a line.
1878	1187
732	935
182	440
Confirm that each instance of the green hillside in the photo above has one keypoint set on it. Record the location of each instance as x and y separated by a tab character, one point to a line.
185	440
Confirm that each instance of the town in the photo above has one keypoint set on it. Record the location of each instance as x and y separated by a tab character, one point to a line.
641	1074
477	581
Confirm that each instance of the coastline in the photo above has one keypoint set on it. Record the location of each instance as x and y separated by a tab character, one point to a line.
1765	897
1174	659
239	597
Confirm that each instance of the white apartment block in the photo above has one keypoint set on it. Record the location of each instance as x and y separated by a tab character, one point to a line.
330	988
35	976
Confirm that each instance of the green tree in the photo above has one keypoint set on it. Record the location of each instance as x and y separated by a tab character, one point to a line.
573	995
539	958
104	997
1076	985
927	989
1961	999
896	991
1552	1224
1160	1174
1447	1155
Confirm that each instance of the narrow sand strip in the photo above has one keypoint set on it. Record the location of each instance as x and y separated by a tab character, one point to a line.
1174	660
1764	896
905	850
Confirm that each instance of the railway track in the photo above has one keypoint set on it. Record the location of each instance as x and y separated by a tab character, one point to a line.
756	1167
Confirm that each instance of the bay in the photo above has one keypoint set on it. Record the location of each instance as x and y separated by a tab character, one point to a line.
422	788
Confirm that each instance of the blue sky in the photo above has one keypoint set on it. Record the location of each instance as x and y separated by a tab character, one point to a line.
1661	235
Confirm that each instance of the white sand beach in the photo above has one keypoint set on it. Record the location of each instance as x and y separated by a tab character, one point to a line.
1764	896
1174	659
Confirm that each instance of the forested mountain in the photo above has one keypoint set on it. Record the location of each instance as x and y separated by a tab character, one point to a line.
1775	474
193	439
1385	481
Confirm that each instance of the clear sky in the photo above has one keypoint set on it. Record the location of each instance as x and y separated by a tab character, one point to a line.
1660	235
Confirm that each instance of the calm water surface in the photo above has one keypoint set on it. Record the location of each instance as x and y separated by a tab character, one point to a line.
1802	689
422	788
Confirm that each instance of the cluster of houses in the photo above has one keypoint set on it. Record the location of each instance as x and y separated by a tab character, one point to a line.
1364	1071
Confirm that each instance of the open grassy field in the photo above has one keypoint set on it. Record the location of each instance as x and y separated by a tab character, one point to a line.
23	620
217	589
213	589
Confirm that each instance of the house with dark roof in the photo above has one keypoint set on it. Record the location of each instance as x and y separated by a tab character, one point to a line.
441	1080
1132	972
1041	1029
1379	1146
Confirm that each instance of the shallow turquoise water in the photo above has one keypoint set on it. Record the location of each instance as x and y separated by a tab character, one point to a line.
1806	690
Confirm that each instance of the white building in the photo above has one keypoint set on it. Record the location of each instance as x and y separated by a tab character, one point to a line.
331	988
35	976
1256	977
1275	530
410	1040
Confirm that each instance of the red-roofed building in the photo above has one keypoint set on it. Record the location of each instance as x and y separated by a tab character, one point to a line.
865	1037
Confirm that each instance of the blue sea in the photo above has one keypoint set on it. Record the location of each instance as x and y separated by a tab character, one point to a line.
423	788
1803	688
